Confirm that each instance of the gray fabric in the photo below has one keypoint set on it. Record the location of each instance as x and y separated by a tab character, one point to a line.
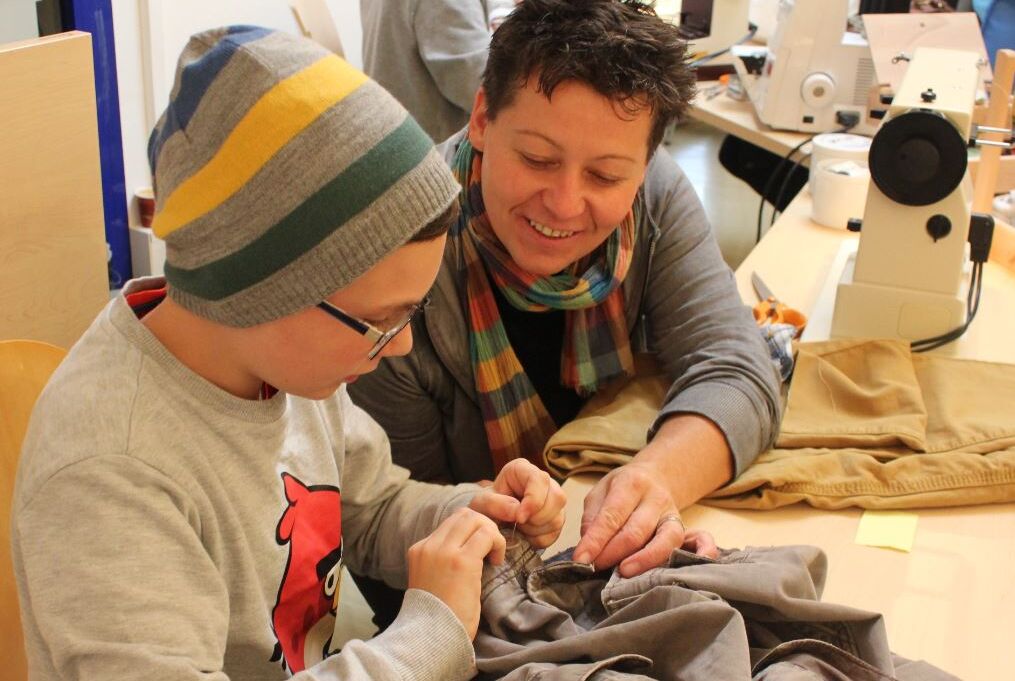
147	525
680	299
618	668
752	613
430	54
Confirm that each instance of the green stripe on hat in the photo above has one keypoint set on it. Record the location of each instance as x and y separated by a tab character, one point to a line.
349	193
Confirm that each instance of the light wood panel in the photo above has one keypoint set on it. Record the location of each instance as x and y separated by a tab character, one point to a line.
317	23
53	276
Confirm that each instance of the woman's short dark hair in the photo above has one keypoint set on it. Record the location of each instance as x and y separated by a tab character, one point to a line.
620	48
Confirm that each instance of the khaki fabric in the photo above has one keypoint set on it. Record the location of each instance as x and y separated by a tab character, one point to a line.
867	424
612	426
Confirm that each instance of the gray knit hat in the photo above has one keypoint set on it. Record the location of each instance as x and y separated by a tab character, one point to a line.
281	174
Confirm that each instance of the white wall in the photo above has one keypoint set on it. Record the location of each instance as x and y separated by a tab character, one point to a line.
134	125
346	13
18	20
149	37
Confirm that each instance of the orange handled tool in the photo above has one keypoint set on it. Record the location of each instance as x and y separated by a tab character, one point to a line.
771	310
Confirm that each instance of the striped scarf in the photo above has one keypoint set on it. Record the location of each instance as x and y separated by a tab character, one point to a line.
596	347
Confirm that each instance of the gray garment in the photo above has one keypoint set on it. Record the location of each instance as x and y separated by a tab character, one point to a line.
163	528
430	54
753	613
680	300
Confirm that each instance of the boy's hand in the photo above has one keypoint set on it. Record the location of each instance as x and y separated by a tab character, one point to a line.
449	563
540	511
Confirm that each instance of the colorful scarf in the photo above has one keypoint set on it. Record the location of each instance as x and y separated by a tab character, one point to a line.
596	346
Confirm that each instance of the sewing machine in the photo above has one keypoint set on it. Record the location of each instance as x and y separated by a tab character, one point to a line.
909	276
816	76
707	25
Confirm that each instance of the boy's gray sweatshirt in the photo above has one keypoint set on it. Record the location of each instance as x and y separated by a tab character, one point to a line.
165	529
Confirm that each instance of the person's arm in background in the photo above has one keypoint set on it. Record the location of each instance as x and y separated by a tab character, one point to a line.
453	37
722	409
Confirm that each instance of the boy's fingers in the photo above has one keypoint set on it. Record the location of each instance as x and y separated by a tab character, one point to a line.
511	479
485	542
533	530
460	527
497	506
537	489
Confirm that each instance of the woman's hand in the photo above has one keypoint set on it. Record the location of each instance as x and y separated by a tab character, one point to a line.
630	518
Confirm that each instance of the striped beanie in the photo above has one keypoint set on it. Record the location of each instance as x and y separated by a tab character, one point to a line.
281	174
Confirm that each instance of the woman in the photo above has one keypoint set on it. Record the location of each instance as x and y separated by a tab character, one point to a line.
576	246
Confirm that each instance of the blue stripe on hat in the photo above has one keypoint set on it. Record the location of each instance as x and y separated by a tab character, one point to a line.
195	80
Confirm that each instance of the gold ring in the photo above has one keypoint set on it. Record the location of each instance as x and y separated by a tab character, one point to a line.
671	517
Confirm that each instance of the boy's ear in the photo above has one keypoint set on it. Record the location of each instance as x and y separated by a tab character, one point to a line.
478	120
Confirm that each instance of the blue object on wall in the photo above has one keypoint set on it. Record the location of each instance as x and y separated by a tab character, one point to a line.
997	17
96	17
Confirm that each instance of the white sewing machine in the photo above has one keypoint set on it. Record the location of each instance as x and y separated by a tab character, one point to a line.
909	277
817	75
707	25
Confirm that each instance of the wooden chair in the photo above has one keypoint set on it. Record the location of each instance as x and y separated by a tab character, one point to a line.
25	366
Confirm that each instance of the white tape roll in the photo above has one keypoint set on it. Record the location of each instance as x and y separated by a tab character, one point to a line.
838	145
839	191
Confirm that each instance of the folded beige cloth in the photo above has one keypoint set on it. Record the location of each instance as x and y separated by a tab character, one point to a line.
610	429
867	424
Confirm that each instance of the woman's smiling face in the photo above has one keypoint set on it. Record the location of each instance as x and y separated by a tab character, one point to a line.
559	174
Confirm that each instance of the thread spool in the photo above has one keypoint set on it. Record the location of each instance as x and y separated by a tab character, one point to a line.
839	191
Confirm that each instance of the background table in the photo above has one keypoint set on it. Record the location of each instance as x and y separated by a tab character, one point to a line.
951	601
737	117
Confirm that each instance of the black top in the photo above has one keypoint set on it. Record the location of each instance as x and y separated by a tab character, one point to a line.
537	339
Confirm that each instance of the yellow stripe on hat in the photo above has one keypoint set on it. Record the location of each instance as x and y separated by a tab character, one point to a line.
278	116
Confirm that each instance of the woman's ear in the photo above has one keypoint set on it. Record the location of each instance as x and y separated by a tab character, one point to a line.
478	121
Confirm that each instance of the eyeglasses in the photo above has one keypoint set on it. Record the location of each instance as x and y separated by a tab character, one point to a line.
371	332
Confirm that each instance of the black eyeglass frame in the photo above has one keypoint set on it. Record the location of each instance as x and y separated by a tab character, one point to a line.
379	338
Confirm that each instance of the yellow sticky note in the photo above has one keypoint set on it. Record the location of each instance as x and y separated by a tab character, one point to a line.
887	529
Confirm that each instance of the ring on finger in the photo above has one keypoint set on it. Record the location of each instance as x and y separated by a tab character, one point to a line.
668	518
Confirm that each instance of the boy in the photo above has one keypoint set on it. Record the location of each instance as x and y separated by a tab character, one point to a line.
195	474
